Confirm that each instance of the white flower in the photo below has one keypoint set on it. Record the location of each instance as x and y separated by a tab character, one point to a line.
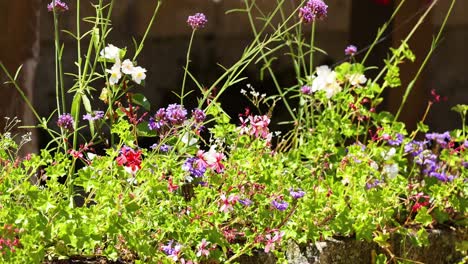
188	139
127	67
326	81
374	165
115	74
386	155
357	79
391	170
111	52
138	74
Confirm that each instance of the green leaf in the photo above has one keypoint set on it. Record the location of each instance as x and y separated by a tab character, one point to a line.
141	100
423	217
423	127
86	103
144	131
460	108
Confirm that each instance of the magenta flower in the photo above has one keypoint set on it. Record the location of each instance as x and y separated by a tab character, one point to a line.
66	122
58	6
306	90
313	10
197	21
351	50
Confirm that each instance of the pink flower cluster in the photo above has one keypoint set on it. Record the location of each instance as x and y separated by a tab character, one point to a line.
9	240
210	159
256	126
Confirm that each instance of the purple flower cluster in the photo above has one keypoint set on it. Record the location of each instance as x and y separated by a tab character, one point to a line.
197	21
313	10
195	168
441	138
429	162
296	194
351	50
66	122
96	115
174	114
58	6
198	115
397	141
415	147
281	205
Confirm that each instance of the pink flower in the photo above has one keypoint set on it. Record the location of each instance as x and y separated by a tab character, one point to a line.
171	186
211	159
227	203
203	248
259	126
271	241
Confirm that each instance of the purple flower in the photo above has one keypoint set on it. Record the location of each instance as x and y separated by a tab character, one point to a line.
350	50
441	139
96	115
176	114
158	121
164	148
58	5
372	184
172	252
296	194
66	122
313	10
196	169
306	89
245	202
155	125
441	176
415	147
281	205
465	164
198	115
397	141
197	21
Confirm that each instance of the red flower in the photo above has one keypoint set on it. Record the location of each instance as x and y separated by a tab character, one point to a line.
129	158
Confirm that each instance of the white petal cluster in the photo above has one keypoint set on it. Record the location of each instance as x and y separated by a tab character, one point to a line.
111	52
115	73
137	73
326	81
357	79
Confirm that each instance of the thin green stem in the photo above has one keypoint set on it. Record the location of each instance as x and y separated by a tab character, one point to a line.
140	47
187	61
426	59
312	45
381	31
